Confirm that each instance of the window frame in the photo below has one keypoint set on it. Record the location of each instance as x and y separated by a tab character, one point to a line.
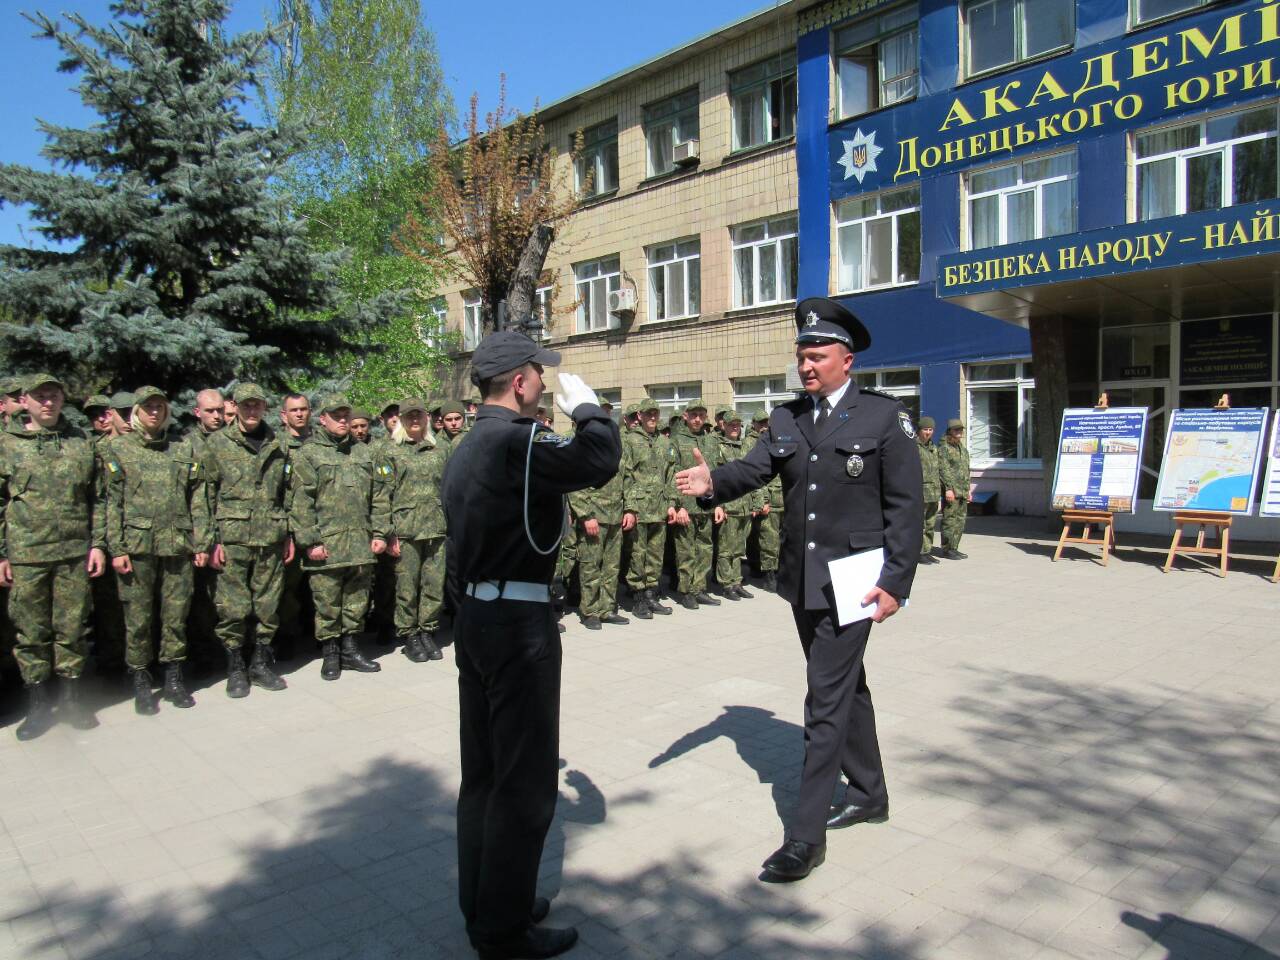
862	222
841	51
1020	55
472	316
596	140
777	241
766	398
777	69
968	196
1023	383
681	394
612	281
1136	23
691	262
666	114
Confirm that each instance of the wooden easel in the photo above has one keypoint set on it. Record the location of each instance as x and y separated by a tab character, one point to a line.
1275	577
1220	523
1104	518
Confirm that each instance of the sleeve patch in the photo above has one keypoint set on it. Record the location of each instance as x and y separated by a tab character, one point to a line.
552	438
904	421
113	466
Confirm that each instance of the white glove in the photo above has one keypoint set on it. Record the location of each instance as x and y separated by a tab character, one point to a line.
573	393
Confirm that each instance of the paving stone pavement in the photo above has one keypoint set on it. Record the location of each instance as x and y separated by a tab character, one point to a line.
1082	763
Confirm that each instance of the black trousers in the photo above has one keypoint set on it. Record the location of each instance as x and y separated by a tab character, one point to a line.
839	722
508	654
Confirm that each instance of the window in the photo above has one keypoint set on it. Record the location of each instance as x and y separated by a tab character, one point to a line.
670	397
879	240
595	280
668	123
542	309
877	61
763	98
760	394
903	384
1135	353
1003	32
764	262
675	280
472	320
1144	11
1210	163
1002	404
1022	201
596	170
432	327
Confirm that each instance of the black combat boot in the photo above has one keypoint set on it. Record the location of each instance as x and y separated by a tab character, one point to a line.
237	678
353	659
143	702
771	581
428	641
39	716
689	601
615	618
413	648
261	673
706	599
175	691
655	604
72	708
331	660
641	607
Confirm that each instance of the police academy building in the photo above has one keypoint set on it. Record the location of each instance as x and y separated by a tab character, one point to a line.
1098	174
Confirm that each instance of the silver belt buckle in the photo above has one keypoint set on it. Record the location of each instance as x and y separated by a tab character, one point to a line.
487	590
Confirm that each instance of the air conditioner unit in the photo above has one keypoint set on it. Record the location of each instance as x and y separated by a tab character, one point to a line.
685	153
622	301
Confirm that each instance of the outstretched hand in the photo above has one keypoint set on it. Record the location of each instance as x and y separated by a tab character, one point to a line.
696	481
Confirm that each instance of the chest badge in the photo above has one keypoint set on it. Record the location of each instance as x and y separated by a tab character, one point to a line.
853	466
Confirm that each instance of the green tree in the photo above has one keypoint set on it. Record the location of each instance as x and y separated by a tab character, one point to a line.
174	262
364	79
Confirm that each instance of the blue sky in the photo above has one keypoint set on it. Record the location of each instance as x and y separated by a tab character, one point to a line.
547	50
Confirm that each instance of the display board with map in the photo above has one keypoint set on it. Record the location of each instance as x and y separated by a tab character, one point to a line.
1099	459
1211	460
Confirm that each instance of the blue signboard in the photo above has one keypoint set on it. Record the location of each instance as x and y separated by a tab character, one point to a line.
1215	59
1211	460
1099	459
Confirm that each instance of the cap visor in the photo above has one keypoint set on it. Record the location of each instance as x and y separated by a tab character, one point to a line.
548	358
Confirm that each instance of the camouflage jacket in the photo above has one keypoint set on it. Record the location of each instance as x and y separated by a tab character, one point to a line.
734	450
199	438
51	505
648	464
599	503
953	468
416	471
156	502
247	491
709	443
931	467
341	500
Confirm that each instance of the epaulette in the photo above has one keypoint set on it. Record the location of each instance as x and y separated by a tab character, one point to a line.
876	393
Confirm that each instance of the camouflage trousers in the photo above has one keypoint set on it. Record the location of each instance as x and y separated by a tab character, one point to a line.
154	584
296	609
770	536
250	585
598	559
732	550
930	519
49	607
107	618
693	553
648	541
953	517
419	573
342	599
568	557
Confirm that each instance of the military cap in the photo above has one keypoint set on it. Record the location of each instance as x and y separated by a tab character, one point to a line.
760	416
390	407
926	423
648	403
823	320
410	404
631	409
730	415
248	391
506	350
29	383
10	385
434	405
97	401
146	393
360	414
455	406
694	405
122	400
955	424
723	413
334	401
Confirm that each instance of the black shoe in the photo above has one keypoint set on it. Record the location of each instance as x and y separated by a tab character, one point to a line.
413	649
429	644
955	555
330	660
705	598
261	673
742	592
640	607
237	677
928	558
143	702
71	708
770	581
535	943
541	907
616	619
175	691
353	659
846	815
591	623
655	604
688	601
730	593
39	716
794	860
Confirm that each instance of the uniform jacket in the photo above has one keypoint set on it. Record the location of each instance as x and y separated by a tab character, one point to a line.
930	467
484	491
416	473
648	465
247	492
341	499
726	452
850	485
199	438
953	468
156	503
51	506
603	503
709	443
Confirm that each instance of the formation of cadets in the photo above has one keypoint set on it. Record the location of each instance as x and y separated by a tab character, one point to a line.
159	542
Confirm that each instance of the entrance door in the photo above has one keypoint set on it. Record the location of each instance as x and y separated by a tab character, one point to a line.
1155	396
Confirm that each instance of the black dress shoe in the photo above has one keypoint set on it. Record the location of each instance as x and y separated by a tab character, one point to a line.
742	593
730	593
846	815
689	601
541	907
955	555
928	558
703	597
770	581
535	943
794	860
616	619
591	623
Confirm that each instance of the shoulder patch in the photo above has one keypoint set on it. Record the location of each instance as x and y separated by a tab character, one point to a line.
547	436
113	466
904	421
876	393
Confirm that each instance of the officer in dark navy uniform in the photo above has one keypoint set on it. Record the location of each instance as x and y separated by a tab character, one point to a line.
851	482
503	493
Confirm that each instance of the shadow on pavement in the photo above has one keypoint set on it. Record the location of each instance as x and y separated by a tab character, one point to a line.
1187	940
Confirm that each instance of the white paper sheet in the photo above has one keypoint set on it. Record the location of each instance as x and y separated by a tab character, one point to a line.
852	579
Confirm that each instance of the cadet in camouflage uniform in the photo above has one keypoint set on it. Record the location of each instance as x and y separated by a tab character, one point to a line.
953	468
156	512
202	621
51	520
453	420
648	465
598	520
360	422
297	613
11	397
930	467
98	409
732	547
246	475
340	519
417	526
122	404
770	518
693	523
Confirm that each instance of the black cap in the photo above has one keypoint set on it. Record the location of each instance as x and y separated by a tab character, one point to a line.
506	350
822	320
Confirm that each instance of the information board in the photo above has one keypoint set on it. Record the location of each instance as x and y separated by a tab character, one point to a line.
1271	484
1211	460
1099	459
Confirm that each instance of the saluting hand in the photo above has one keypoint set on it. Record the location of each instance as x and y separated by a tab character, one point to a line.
696	481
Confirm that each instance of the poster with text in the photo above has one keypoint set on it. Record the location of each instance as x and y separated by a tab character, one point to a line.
1271	485
1211	460
1099	459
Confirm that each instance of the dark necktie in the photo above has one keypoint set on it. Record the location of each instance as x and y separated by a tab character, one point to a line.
824	411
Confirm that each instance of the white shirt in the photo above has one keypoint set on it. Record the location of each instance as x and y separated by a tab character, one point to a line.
831	400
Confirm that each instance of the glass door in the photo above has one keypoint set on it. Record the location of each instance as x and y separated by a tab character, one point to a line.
1154	395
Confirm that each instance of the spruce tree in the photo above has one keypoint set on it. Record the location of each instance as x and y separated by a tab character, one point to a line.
173	262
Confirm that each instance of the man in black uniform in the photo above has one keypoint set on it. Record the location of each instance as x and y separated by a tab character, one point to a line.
504	506
851	482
